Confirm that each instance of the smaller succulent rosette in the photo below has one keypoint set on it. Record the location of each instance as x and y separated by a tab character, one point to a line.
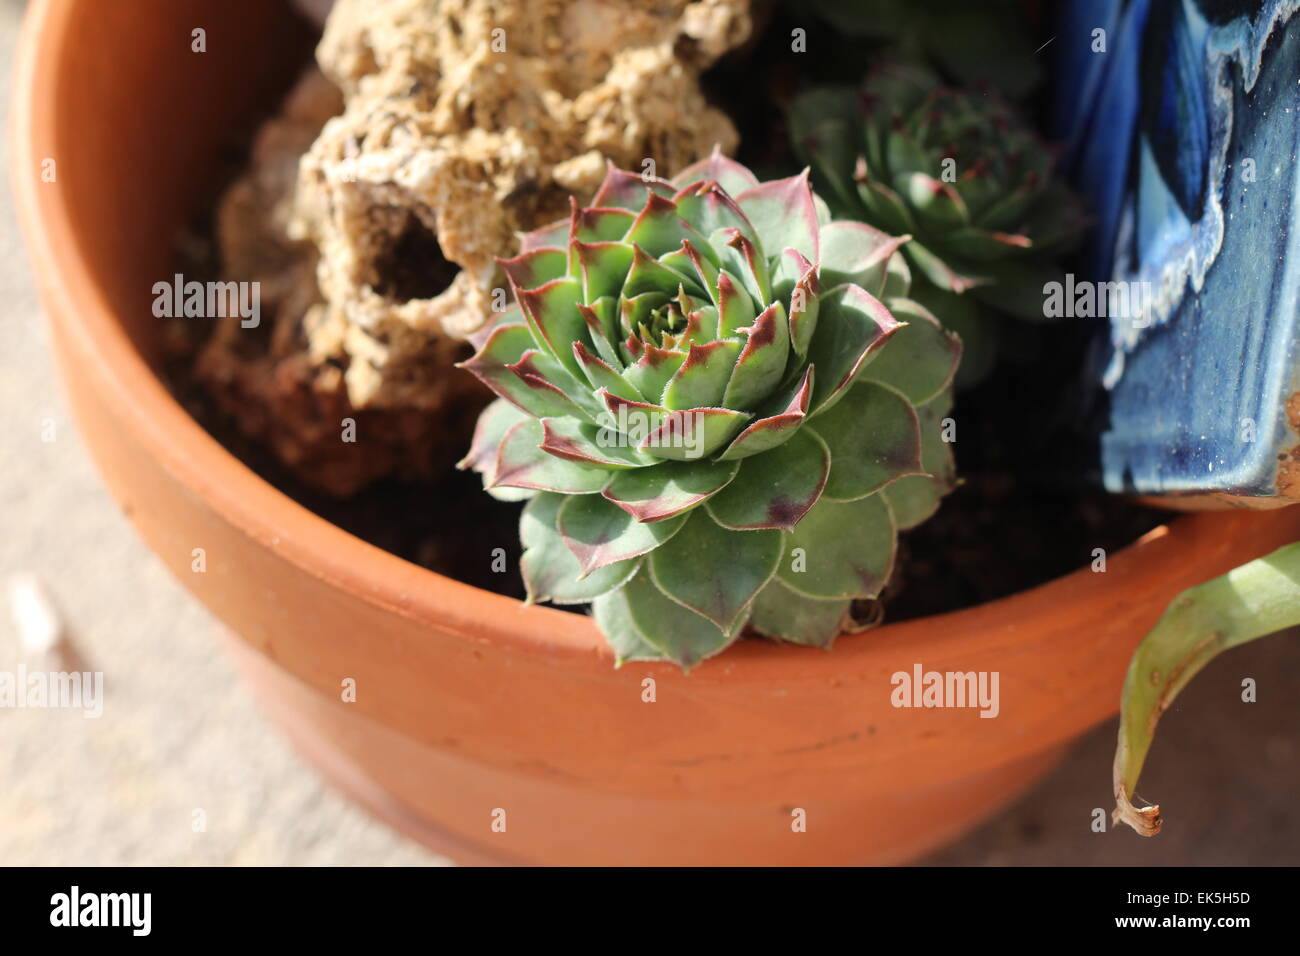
958	170
715	417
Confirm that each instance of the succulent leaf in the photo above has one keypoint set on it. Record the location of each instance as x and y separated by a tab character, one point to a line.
783	214
550	571
691	435
653	370
596	225
604	268
495	365
732	177
659	230
937	205
554	235
521	463
626	190
861	468
681	635
852	327
835	564
493	423
922	357
735	307
588	444
603	375
761	364
712	208
599	533
853	252
949	275
702	378
653	494
614	618
775	428
775	489
536	267
712	571
782	613
602	319
883	207
914	498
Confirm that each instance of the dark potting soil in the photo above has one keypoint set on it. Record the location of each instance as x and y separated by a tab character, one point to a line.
1024	513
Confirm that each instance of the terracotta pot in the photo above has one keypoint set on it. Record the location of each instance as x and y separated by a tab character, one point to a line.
467	702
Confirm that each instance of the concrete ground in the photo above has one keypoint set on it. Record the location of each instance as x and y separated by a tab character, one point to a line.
181	769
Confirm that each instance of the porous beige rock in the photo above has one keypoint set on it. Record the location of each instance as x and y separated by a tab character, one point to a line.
280	383
463	123
468	121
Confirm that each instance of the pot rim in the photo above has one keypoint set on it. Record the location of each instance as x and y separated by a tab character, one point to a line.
269	518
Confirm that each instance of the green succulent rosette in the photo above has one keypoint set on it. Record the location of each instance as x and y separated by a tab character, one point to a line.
957	170
719	407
